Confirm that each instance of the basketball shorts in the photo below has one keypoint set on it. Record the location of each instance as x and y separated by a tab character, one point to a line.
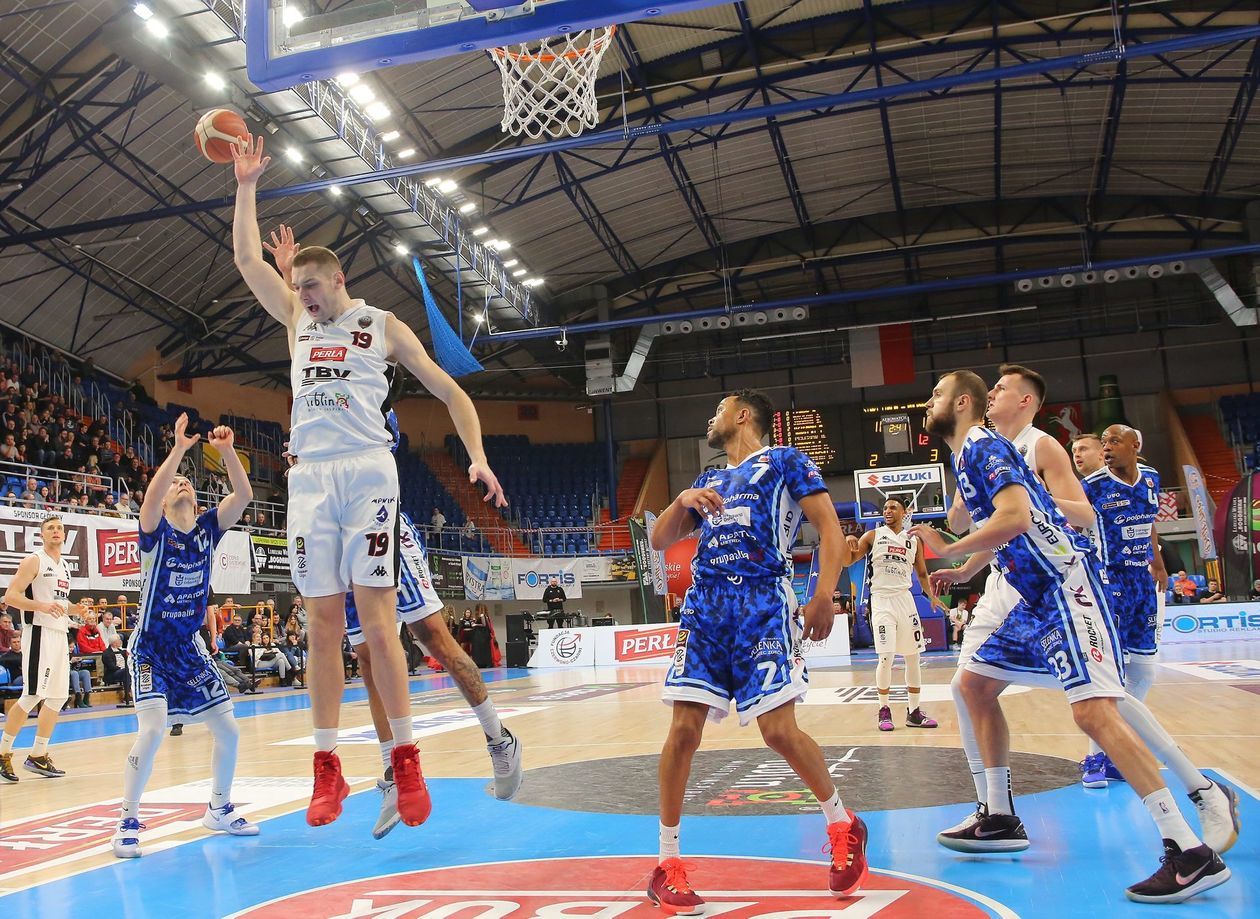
185	677
343	524
738	641
416	596
1066	638
895	624
1137	611
996	603
45	664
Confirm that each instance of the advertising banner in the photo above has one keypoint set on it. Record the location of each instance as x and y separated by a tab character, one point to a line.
530	576
230	573
678	565
271	557
487	578
448	574
19	537
1201	510
653	644
114	560
1211	621
1235	537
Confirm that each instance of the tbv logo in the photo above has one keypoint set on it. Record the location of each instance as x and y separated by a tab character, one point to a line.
313	374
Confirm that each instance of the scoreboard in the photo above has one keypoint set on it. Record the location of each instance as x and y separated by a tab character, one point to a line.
842	438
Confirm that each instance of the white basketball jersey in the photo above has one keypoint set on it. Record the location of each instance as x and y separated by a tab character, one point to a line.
892	560
52	583
1026	445
341	382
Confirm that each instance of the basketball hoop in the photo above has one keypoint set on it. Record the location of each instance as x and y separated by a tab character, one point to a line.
550	89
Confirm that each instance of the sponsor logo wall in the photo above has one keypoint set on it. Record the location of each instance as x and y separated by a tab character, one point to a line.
19	537
448	574
271	557
530	576
599	646
230	573
487	578
1208	621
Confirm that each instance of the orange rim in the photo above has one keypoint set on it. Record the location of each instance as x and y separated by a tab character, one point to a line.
548	58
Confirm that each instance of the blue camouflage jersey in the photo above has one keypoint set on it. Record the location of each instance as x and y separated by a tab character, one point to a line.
753	535
1126	517
1037	561
176	587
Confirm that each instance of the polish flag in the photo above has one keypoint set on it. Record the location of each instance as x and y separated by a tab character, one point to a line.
881	355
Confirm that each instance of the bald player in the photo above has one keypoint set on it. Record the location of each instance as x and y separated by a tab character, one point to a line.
1125	495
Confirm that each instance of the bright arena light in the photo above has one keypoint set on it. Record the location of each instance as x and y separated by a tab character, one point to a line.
157	27
390	136
432	182
335	190
400	248
467	207
214	81
511	263
291	15
294	154
406	154
377	111
347	79
143	11
481	231
362	93
446	186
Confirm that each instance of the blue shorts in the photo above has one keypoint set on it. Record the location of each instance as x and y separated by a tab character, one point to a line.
186	678
738	640
1068	639
1136	606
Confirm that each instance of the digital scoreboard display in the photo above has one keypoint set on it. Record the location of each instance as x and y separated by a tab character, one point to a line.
842	438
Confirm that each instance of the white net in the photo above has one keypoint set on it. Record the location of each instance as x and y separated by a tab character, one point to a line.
549	89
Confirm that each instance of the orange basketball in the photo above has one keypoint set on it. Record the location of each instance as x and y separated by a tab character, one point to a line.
217	132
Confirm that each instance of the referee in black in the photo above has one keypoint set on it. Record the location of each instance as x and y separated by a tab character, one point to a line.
554	597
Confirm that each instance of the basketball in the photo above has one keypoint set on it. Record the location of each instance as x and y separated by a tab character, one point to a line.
216	132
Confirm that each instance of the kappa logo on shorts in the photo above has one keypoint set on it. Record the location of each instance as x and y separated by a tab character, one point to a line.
379	571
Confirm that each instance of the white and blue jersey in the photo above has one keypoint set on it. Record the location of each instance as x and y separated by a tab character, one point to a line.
416	596
168	660
1063	626
761	514
739	635
1122	536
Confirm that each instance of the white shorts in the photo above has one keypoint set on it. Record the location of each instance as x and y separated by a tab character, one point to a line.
416	597
895	624
45	664
343	524
998	599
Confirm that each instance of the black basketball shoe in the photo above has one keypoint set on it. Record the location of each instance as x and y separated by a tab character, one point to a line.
1181	875
991	833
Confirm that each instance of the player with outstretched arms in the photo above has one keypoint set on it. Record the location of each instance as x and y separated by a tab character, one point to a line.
343	493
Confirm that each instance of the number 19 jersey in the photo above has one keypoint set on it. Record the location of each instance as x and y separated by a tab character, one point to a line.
341	379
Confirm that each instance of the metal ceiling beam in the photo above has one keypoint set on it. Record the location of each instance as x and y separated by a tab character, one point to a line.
781	153
1234	125
878	293
1075	63
673	162
594	218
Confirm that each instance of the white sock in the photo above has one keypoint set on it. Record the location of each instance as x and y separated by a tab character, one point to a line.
325	740
488	715
833	809
971	746
998	790
40	746
6	740
1169	820
401	729
669	842
1094	749
913	703
226	736
387	747
1160	742
130	809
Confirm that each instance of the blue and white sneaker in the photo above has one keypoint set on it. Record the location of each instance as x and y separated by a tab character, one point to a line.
126	839
1113	774
222	820
1094	771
